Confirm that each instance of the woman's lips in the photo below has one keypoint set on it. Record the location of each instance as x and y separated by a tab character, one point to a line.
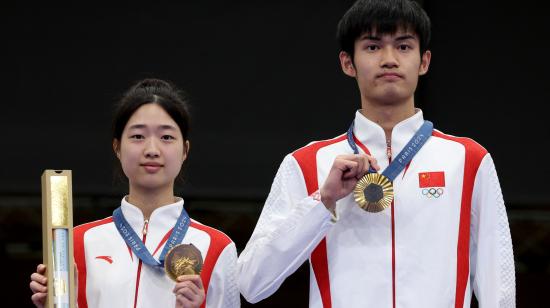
151	168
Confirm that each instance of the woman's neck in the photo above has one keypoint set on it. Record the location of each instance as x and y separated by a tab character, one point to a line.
149	200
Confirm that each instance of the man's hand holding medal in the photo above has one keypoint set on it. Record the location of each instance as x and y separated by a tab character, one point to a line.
344	174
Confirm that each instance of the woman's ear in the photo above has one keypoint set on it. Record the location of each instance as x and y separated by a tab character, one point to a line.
186	147
116	148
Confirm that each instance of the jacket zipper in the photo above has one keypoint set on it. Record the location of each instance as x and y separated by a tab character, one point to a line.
144	232
145	225
388	153
388	149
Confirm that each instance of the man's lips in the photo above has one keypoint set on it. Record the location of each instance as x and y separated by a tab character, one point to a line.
390	75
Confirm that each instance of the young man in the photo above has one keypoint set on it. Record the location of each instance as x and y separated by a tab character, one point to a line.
444	234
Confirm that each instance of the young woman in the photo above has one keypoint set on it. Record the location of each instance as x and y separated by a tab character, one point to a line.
150	139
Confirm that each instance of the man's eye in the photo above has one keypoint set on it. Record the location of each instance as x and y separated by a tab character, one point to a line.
404	47
371	47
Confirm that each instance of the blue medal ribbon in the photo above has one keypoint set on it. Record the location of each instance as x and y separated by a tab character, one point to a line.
136	244
407	153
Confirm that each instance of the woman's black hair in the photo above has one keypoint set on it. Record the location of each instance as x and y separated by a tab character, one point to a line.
384	17
155	91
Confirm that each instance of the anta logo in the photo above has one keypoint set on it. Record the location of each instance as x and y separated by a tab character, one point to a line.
432	183
106	258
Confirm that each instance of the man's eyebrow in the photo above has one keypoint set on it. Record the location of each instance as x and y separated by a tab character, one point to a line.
370	37
378	38
405	37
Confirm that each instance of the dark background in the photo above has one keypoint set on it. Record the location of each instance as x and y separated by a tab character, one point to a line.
263	79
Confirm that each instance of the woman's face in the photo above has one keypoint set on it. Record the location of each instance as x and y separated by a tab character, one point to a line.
151	149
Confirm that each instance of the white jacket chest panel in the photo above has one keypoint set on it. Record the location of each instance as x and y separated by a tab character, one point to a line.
361	243
114	284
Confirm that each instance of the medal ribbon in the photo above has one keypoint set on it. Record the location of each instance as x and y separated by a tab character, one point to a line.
134	242
405	156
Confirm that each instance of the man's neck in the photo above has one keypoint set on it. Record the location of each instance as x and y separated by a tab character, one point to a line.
148	201
387	116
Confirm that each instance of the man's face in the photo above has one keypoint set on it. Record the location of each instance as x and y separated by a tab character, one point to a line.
386	66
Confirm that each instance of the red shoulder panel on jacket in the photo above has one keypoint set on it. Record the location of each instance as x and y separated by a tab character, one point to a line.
307	159
218	242
474	155
80	256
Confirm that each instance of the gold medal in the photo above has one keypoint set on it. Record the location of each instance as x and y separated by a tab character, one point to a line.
373	193
183	259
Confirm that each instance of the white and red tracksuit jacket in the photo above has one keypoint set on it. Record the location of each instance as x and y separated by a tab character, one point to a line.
110	274
438	241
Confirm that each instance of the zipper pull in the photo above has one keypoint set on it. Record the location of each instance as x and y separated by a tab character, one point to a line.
145	225
388	149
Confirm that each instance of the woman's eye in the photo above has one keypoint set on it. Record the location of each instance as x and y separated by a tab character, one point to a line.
137	137
167	137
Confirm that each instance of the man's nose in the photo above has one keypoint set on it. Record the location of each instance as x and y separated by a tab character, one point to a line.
389	58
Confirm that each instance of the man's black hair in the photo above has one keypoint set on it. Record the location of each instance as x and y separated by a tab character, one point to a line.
384	17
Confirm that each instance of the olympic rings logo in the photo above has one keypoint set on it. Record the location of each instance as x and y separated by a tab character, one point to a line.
432	192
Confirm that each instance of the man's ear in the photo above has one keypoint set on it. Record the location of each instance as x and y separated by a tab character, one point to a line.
346	62
425	62
116	148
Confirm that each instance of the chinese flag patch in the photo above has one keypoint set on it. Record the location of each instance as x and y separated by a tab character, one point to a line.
431	179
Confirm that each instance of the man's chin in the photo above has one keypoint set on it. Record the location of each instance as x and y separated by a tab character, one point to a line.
390	97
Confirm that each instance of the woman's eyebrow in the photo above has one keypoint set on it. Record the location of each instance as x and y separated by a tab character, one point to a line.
161	127
166	127
137	126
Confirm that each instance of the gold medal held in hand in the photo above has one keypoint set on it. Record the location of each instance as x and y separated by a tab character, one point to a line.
183	259
373	193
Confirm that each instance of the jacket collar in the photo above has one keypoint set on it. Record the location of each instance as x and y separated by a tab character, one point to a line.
373	137
162	218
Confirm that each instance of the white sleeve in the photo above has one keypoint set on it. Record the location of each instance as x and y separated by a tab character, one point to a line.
290	226
492	258
222	290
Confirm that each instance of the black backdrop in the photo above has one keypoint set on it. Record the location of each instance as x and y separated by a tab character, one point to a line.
264	79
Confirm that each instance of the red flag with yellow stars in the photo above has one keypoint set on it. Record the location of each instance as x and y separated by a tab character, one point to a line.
431	179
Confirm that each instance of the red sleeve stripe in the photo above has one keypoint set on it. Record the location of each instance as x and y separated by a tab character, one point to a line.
218	242
307	160
319	263
474	155
80	257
